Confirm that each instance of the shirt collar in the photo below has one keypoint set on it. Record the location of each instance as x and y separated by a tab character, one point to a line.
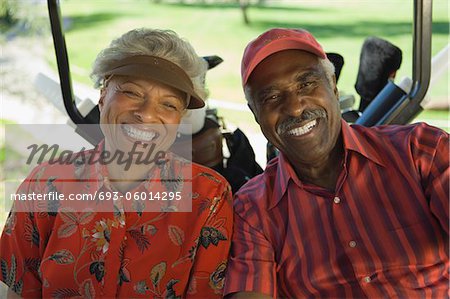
100	170
356	140
284	173
353	140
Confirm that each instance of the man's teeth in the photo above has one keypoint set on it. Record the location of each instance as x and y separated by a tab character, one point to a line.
303	129
139	134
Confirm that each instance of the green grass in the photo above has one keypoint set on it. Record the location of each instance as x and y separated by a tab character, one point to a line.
437	118
340	26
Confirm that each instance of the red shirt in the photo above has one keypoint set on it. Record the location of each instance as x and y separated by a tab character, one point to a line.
118	254
383	233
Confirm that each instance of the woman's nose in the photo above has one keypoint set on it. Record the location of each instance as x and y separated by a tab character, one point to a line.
147	112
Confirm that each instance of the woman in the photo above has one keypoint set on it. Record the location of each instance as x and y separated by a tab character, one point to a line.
129	241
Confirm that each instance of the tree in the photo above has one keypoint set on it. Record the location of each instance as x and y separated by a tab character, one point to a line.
8	10
244	6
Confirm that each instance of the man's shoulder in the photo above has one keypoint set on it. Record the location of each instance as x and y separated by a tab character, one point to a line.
389	143
417	130
259	189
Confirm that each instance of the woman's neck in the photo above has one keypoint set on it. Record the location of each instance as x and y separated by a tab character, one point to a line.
126	179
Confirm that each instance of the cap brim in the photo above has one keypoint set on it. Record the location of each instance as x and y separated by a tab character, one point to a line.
160	70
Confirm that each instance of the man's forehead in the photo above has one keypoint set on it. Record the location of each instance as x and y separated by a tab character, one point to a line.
293	74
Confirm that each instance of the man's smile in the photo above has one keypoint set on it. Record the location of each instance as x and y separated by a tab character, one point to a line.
303	130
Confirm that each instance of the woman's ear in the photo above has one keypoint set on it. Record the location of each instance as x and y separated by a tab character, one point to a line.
101	101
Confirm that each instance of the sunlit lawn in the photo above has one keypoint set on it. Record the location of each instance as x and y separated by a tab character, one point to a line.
341	26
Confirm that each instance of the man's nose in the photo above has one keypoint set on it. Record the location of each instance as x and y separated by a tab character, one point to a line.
293	103
147	112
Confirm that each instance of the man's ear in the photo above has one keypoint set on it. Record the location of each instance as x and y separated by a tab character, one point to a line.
335	89
253	111
250	103
101	101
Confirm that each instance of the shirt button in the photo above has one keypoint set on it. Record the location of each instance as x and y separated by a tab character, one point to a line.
367	279
352	244
337	200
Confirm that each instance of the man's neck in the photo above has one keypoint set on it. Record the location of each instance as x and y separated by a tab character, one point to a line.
324	172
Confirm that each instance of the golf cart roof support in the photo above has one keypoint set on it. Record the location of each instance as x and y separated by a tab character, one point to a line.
409	107
63	62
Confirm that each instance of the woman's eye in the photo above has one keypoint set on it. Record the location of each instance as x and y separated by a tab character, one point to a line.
172	103
131	93
171	106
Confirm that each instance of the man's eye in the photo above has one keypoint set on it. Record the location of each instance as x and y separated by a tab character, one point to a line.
306	84
271	98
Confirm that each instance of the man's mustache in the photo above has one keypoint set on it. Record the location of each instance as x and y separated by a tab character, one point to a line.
306	115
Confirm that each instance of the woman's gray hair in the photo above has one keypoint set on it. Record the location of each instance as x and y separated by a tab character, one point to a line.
165	44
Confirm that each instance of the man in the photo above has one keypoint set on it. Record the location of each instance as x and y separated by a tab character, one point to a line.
344	211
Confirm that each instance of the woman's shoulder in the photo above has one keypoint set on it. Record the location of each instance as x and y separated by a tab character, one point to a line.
70	166
205	175
210	187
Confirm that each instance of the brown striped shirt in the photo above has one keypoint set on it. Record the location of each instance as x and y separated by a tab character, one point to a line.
382	233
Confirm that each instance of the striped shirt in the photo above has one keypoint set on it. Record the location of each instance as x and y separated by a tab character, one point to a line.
383	232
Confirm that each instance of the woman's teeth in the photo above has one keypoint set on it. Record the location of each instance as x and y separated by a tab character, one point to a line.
139	134
303	129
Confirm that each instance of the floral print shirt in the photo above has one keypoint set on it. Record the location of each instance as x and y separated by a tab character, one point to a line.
66	253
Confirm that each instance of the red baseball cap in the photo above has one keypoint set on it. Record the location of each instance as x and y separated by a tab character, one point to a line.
276	40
